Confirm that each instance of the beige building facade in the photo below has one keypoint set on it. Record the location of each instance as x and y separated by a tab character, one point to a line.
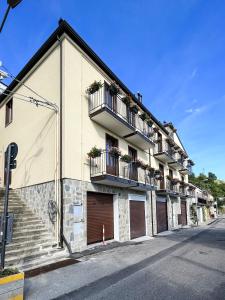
98	156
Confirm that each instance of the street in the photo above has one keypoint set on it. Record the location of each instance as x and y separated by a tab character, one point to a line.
185	264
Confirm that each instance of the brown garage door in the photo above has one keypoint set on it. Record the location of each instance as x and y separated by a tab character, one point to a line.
99	213
137	219
161	213
183	213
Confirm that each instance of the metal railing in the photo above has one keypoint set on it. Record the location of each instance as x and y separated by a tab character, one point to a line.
108	164
182	190
163	146
102	98
171	187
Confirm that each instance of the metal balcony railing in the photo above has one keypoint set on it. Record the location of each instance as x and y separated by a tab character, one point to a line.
182	190
163	146
171	187
102	98
108	164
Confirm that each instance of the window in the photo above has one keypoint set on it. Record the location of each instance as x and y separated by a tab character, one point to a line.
9	112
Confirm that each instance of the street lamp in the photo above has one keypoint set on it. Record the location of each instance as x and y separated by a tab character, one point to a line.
11	4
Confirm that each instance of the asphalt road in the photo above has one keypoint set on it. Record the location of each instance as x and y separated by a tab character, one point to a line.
188	264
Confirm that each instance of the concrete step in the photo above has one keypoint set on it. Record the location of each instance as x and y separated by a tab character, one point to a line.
15	260
34	237
29	218
28	250
18	228
29	243
27	224
28	233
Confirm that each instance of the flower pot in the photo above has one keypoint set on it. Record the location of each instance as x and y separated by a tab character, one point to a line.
12	287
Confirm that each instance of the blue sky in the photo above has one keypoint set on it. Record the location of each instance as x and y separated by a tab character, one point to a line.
173	52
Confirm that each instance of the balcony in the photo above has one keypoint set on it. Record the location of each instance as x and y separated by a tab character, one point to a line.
110	170
183	191
186	170
191	193
177	164
165	153
168	189
112	113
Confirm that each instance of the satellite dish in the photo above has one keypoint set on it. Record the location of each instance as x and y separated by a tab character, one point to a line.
13	3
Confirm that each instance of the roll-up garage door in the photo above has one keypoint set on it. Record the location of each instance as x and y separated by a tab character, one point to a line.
183	213
137	219
99	213
161	214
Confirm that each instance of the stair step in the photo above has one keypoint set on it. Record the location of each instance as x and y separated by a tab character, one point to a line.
29	232
28	250
22	218
32	238
48	253
29	243
18	228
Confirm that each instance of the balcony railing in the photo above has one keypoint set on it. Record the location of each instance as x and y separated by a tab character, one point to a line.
171	187
102	100
183	190
108	164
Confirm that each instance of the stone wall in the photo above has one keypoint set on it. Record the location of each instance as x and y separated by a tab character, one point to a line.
75	211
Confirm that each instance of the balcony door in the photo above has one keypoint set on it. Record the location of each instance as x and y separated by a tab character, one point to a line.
112	161
160	147
162	185
171	176
111	100
133	172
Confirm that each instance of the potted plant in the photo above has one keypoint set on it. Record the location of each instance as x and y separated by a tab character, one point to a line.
151	171
149	122
144	166
94	87
138	163
159	177
11	284
174	181
135	109
114	89
169	177
151	134
126	158
126	100
156	129
114	151
143	116
94	152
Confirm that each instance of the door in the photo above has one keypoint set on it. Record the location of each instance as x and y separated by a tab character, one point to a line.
137	219
161	214
111	100
112	161
99	213
162	181
133	170
183	213
160	146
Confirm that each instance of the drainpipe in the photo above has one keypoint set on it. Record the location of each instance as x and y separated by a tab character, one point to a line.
149	153
62	238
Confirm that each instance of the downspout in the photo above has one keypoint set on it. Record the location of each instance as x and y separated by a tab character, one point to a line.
62	237
149	153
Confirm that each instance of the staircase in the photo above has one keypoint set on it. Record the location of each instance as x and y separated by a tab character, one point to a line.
32	245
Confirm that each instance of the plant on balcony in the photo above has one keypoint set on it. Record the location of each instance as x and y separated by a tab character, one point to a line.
114	151
126	158
94	87
159	177
156	129
138	163
94	152
144	166
151	171
143	116
135	109
127	100
150	134
174	181
169	177
114	89
149	122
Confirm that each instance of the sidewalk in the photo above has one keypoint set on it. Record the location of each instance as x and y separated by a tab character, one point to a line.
96	266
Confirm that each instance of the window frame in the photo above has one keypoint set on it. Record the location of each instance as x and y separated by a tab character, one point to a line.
8	116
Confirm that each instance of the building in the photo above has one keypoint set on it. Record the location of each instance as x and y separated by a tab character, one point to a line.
97	164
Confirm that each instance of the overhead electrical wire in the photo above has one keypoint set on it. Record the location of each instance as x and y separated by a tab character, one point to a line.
49	103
